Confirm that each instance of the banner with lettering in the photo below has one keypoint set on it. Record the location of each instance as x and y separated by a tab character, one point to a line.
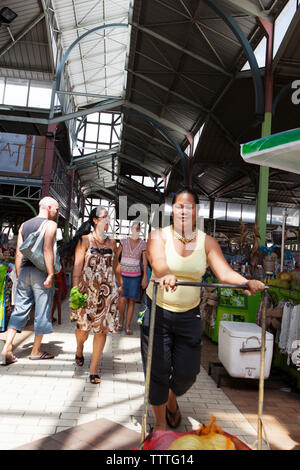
16	153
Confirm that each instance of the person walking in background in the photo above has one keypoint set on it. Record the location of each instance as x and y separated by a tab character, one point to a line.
96	273
35	287
133	251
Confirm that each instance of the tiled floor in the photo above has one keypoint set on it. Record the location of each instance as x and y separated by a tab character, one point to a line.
51	404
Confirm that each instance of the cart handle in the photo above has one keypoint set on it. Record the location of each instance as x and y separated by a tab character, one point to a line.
210	284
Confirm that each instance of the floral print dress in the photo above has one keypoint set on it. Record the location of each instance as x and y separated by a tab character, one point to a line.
101	314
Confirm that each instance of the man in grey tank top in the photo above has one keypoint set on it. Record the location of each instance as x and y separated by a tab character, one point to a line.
35	287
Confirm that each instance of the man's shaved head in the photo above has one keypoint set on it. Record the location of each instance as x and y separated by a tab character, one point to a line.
48	208
46	202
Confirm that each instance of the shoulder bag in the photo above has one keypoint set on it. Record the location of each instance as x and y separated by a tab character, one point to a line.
33	249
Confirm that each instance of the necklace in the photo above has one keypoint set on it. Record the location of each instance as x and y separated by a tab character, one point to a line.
184	240
101	241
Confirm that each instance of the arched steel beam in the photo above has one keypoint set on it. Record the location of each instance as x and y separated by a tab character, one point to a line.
168	135
79	127
282	92
23	202
74	43
124	157
153	121
258	85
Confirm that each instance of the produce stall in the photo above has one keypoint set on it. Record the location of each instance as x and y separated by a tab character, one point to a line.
7	280
217	305
227	305
283	320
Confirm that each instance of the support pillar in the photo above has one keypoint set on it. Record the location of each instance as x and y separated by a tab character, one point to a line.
49	158
262	197
67	221
191	142
211	216
83	207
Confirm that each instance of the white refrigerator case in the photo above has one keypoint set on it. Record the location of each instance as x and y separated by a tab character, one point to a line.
239	349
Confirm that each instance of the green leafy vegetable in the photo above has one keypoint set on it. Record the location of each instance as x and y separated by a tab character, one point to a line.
77	299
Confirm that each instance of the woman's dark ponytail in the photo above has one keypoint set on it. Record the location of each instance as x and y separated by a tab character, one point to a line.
69	248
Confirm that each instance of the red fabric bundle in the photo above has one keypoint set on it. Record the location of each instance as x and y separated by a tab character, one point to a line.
161	440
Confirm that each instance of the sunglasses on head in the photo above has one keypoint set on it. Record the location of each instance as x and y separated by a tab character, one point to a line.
101	251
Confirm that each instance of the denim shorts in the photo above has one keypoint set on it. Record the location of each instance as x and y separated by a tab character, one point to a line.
131	287
31	292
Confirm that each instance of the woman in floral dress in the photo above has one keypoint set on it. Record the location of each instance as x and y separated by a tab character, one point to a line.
96	273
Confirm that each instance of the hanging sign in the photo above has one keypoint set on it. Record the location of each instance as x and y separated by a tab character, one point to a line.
16	153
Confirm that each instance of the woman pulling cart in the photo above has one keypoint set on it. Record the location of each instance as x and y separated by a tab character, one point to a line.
179	252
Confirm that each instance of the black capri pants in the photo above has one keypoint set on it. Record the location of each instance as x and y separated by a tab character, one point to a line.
176	350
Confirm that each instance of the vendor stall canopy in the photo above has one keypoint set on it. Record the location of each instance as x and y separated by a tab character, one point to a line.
162	74
277	151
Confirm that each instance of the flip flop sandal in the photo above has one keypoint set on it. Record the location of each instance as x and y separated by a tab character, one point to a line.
93	379
129	332
79	360
42	357
9	361
173	416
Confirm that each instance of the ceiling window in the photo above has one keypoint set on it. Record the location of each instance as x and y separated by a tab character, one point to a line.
283	22
39	95
2	87
25	93
158	183
100	131
260	54
281	25
197	137
15	92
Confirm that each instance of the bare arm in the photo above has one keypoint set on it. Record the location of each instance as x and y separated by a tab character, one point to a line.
224	273
157	259
145	268
119	250
50	233
156	254
117	266
80	250
19	256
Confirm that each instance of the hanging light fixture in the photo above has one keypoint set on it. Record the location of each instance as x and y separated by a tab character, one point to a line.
7	15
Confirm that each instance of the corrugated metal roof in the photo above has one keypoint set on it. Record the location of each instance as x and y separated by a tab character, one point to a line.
181	67
97	62
27	54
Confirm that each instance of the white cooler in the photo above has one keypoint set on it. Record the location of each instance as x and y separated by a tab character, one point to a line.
239	349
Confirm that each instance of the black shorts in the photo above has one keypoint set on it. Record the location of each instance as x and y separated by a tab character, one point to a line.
176	350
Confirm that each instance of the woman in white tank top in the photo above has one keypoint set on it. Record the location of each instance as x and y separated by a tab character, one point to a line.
180	252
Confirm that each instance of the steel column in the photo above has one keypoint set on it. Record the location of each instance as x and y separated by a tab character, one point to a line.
67	221
191	143
48	162
262	197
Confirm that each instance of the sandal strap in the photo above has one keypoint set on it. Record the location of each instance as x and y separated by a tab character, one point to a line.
172	413
93	378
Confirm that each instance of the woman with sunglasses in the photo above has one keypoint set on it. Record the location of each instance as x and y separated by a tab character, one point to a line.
96	272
